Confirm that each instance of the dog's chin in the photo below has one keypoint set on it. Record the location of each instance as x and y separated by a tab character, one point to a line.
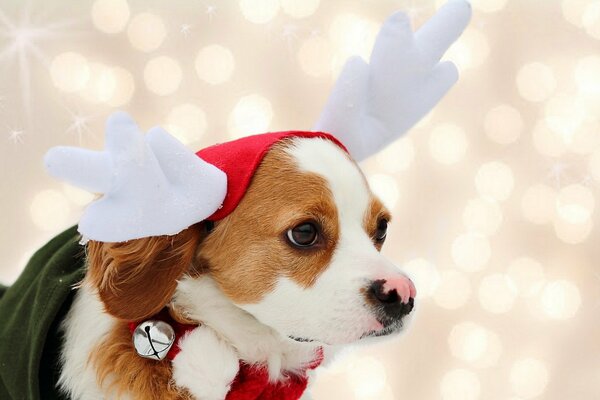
389	330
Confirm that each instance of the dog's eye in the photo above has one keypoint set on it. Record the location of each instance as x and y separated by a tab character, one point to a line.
303	235
381	231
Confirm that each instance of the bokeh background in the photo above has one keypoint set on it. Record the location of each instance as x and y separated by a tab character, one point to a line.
494	193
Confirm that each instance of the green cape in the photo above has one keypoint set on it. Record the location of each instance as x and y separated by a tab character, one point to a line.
31	311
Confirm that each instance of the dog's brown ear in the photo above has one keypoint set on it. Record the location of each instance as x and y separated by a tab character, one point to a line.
136	279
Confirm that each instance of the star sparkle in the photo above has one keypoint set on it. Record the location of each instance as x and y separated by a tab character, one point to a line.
587	180
558	173
23	47
289	33
185	30
415	10
79	125
16	136
211	11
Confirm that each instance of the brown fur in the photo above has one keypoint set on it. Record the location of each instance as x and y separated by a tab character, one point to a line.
248	250
135	279
375	212
121	371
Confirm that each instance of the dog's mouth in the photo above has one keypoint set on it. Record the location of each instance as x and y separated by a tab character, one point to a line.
301	339
308	340
389	328
386	331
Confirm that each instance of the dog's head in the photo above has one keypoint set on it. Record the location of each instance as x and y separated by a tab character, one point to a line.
300	253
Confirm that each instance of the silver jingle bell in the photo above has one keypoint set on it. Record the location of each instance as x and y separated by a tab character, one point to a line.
153	339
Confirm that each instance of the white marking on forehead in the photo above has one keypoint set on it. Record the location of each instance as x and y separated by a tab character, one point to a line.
346	182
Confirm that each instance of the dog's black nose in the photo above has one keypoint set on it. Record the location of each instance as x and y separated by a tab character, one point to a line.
385	297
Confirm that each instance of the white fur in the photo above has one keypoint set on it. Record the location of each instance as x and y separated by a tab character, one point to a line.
332	310
253	341
85	326
206	365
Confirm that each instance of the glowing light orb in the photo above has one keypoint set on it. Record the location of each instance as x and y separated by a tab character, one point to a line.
315	56
560	299
386	188
187	122
215	64
124	87
538	204
252	114
424	275
573	11
366	376
470	51
494	180
536	81
146	32
546	141
162	75
587	74
398	156
50	210
259	11
70	71
299	9
527	275
77	196
453	290
565	114
594	165
575	204
587	77
497	293
591	19
482	216
475	344
586	139
460	384
471	251
351	34
492	353
468	341
529	377
110	16
102	84
572	233
503	124
447	143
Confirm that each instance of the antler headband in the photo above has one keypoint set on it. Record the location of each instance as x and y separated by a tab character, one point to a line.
153	185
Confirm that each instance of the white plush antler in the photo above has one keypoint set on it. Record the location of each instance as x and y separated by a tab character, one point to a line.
372	104
152	185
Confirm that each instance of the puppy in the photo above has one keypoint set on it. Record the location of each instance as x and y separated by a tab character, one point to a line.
295	267
253	296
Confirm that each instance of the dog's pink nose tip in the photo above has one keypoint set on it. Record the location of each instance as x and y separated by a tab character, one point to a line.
403	286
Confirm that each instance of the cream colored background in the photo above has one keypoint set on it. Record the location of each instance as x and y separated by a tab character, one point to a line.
493	194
